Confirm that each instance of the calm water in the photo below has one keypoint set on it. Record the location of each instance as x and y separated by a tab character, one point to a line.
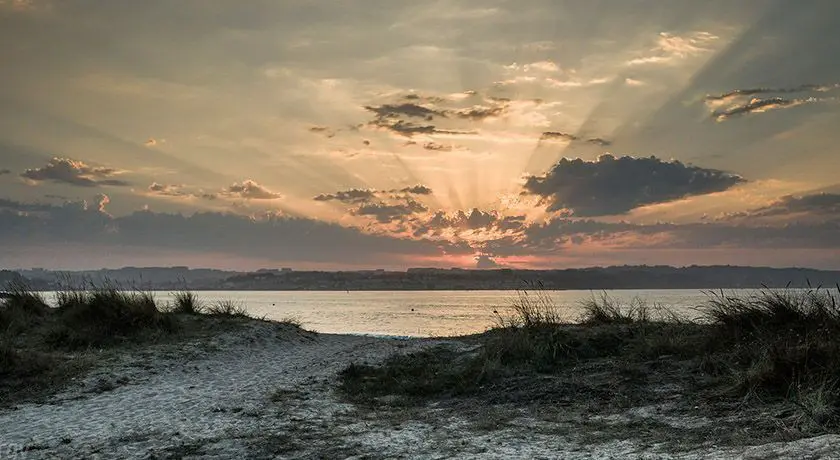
422	313
418	313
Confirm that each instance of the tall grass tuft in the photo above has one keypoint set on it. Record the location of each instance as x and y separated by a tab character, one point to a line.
104	313
606	310
533	307
21	307
227	309
187	303
779	342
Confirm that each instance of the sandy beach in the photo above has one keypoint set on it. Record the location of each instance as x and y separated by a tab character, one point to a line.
268	390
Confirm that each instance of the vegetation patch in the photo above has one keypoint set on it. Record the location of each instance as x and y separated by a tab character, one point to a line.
43	347
227	309
769	360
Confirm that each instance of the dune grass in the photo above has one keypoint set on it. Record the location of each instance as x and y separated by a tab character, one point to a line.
227	309
187	302
773	347
42	347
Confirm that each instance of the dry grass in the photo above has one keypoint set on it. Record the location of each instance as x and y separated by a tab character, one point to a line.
775	348
187	302
227	309
42	347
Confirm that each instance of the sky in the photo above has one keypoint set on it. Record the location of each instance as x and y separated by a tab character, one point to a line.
394	134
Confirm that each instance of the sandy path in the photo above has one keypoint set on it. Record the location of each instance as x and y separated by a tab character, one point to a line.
268	392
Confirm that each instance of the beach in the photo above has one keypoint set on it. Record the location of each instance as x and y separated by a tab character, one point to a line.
268	390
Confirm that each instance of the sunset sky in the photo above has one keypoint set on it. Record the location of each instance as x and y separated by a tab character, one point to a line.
392	134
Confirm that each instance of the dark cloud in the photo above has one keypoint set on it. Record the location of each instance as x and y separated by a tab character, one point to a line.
266	236
549	135
348	196
386	213
9	205
613	185
408	129
417	190
559	233
758	100
73	172
820	205
407	109
402	118
552	135
754	91
357	196
599	141
754	106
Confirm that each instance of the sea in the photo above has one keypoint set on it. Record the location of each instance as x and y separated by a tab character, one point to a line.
433	313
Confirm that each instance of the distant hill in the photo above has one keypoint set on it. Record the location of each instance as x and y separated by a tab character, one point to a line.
596	278
625	277
8	277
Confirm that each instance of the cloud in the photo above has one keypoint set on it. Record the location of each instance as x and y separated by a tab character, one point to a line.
756	105
598	141
822	205
265	236
356	196
611	185
671	47
166	190
408	129
417	190
437	147
247	190
325	130
348	196
474	227
410	118
759	100
250	190
481	112
102	200
406	109
73	172
551	135
386	213
18	207
556	135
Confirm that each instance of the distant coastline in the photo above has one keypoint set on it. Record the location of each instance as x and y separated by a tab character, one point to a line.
434	279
